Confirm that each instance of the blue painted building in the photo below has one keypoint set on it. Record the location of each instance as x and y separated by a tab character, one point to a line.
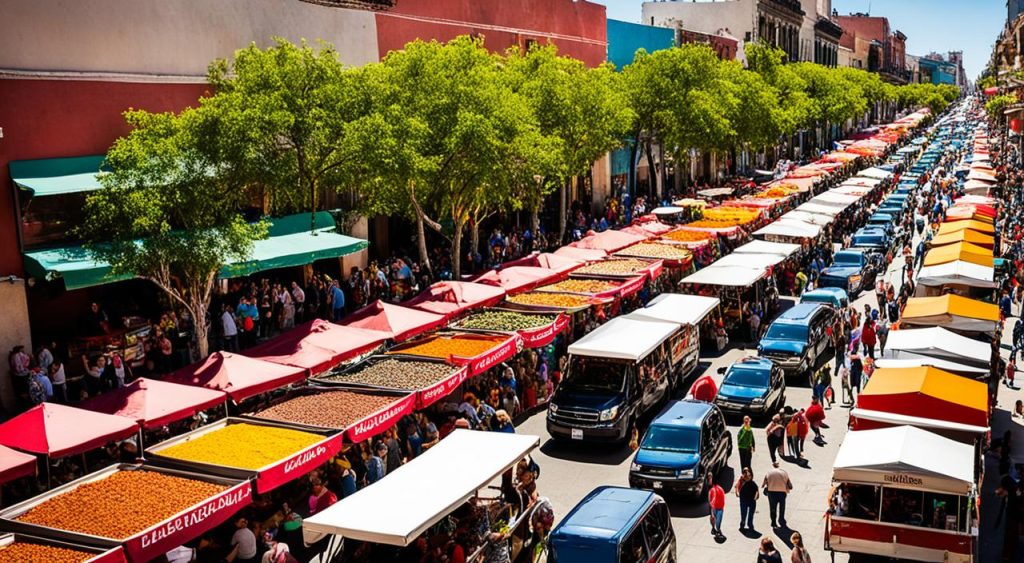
936	71
624	39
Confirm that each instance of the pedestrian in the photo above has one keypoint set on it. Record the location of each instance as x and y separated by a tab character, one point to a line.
243	543
815	417
229	329
746	490
337	297
800	554
322	497
1011	372
775	432
716	501
868	337
755	328
802	429
376	468
882	334
745	442
767	553
793	437
776	486
856	371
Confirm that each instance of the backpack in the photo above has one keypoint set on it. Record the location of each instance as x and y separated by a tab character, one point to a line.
36	393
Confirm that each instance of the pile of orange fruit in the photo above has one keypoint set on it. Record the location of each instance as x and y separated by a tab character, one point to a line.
724	217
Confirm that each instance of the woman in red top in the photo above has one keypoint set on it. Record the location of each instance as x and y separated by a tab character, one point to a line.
716	499
815	416
868	337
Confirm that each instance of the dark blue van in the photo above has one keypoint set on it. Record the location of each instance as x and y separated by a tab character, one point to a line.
615	525
798	338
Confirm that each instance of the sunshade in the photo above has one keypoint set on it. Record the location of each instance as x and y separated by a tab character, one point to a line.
296	249
399	323
154	403
878	173
849	189
58	430
973	225
790	228
926	392
670	210
452	298
958	272
624	339
965	235
820	208
977	186
517	279
951	311
609	241
727	276
14	464
913	360
837	199
765	247
933	462
559	263
805	217
976	174
648	228
754	261
959	251
58	176
583	254
238	376
867	419
440	480
937	342
317	345
677	308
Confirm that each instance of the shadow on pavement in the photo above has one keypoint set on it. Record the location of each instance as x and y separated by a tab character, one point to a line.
600	454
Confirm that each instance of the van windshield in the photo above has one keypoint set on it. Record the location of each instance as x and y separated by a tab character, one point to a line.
600	375
745	377
783	331
671	439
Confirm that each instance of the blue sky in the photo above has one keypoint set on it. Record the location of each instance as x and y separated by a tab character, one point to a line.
930	25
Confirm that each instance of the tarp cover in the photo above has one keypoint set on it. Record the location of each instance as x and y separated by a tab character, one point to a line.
727	276
926	392
452	298
517	279
239	376
317	345
609	241
957	273
870	455
154	403
937	342
973	225
965	235
959	251
913	360
440	480
677	308
623	339
557	262
951	311
14	464
583	254
765	247
399	323
58	430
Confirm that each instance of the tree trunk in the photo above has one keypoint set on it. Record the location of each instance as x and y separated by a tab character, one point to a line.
563	211
652	171
202	330
421	241
535	221
457	252
474	241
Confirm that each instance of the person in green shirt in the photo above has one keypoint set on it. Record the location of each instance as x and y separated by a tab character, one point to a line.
745	443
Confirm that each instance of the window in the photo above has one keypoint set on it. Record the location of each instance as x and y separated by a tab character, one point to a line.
655	523
857	501
944	512
632	549
902	506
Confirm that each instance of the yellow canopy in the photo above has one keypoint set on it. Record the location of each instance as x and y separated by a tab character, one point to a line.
927	392
959	251
954	226
966	235
949	308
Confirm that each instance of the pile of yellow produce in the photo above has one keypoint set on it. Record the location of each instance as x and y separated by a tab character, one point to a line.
725	217
655	250
687	236
619	267
556	300
778	192
581	286
462	345
245	446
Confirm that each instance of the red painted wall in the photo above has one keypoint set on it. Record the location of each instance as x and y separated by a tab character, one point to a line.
578	28
61	118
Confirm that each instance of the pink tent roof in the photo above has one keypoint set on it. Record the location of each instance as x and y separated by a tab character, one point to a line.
399	323
647	229
318	345
14	464
153	403
450	298
239	376
59	430
559	263
585	254
517	279
609	241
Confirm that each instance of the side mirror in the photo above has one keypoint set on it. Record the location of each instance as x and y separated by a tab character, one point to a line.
721	371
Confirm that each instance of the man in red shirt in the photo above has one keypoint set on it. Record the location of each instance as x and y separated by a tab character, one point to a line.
815	416
716	500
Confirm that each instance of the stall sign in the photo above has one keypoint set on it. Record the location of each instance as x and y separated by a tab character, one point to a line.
381	420
441	389
491	358
541	337
189	524
633	286
298	464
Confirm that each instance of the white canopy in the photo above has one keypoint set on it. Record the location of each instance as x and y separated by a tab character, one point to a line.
790	228
765	247
975	174
759	262
728	276
837	199
937	342
671	210
862	181
820	208
906	457
623	339
981	186
676	308
909	360
878	173
958	272
848	189
805	217
984	200
916	421
981	157
423	491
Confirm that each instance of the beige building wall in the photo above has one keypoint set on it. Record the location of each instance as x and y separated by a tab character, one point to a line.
13	331
738	17
178	38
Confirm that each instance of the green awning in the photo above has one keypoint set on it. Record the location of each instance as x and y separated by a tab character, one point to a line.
58	176
78	270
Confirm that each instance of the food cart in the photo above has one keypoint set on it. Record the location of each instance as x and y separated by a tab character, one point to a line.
904	493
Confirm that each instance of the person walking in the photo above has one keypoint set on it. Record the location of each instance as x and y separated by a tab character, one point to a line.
856	371
792	437
337	297
775	432
716	501
767	552
777	485
868	337
800	553
815	417
802	430
745	442
746	490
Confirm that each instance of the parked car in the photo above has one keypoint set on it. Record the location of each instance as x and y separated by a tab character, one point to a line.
833	296
754	385
884	221
798	338
871	238
615	525
852	271
685	444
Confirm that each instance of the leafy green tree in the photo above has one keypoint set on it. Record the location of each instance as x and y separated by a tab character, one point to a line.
997	104
169	210
834	99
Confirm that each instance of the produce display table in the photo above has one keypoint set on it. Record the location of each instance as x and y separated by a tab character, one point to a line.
536	329
24	547
429	379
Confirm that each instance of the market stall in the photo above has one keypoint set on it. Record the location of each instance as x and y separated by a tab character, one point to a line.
517	279
25	548
924	393
955	226
317	345
557	262
57	430
581	254
15	465
961	277
152	403
966	235
239	376
952	312
398	322
429	379
962	370
959	251
454	298
536	329
904	493
939	343
609	241
477	351
692	312
789	231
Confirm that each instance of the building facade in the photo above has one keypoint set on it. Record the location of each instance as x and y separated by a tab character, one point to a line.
888	58
936	70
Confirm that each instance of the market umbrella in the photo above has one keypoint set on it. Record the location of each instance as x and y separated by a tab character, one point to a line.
58	430
239	376
15	464
452	298
517	279
317	345
399	323
584	254
154	403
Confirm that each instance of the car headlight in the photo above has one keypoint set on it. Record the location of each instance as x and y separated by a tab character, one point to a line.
757	400
609	414
634	466
552	407
686	473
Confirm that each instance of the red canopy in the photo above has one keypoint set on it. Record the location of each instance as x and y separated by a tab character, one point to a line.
585	254
399	323
14	464
609	241
556	262
154	403
238	376
59	430
648	229
318	345
517	279
450	298
991	90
